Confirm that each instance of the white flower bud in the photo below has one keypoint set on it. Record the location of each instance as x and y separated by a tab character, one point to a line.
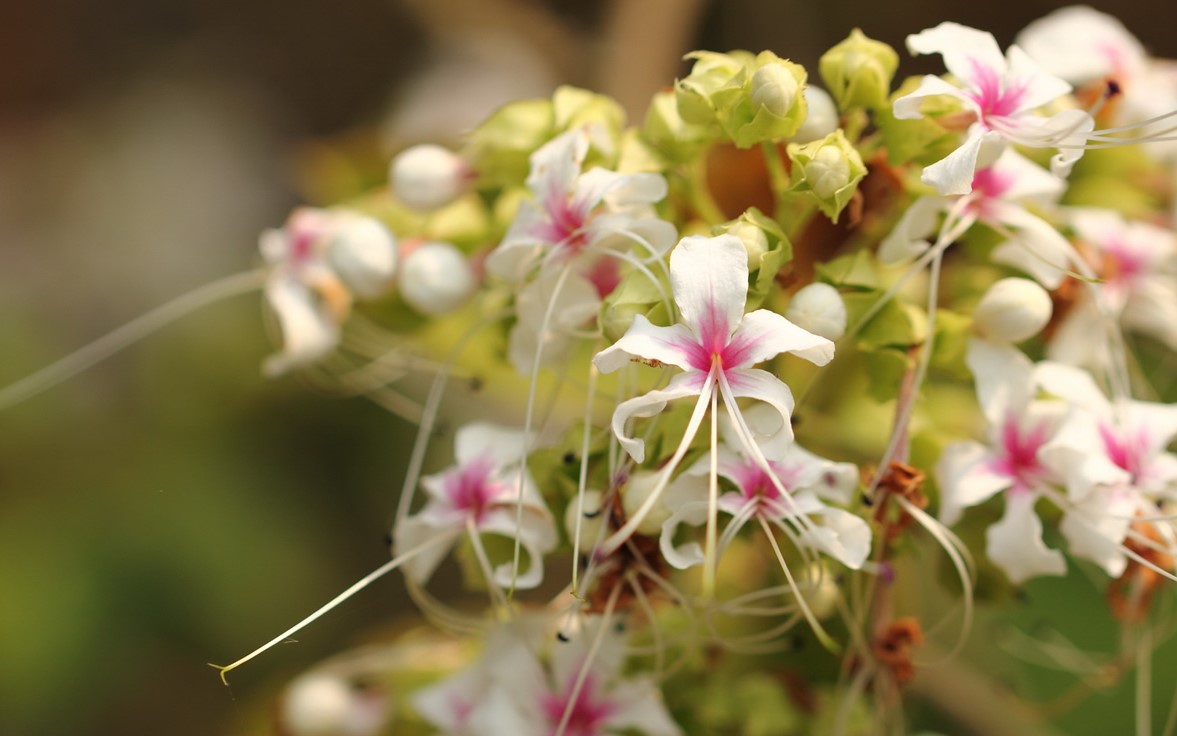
820	590
1012	310
775	89
435	278
428	177
635	493
592	517
362	252
818	308
323	705
753	238
822	118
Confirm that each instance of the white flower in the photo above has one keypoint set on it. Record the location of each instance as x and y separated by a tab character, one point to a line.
481	494
318	264
1002	93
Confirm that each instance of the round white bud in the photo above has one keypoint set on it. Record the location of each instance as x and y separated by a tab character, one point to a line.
635	493
820	589
362	252
818	308
428	177
775	89
323	705
435	278
592	518
1012	310
822	118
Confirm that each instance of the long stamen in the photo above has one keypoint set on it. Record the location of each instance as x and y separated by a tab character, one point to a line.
354	588
818	630
582	477
496	595
131	332
616	539
529	411
585	668
711	556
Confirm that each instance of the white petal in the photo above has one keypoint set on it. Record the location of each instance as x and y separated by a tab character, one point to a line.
709	277
569	310
537	536
966	51
954	173
1015	543
1096	528
965	479
907	107
1074	385
1036	246
672	345
1037	86
690	554
763	334
1026	181
909	238
647	405
556	165
504	445
641	709
1004	378
842	535
754	383
416	531
1081	44
520	248
309	330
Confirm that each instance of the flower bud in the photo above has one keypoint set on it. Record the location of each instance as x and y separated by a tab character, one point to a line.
592	517
435	278
635	493
858	71
818	308
768	107
752	236
428	177
822	118
1012	310
667	132
711	72
829	169
362	252
775	88
820	589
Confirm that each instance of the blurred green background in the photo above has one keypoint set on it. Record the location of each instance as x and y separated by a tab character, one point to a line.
170	508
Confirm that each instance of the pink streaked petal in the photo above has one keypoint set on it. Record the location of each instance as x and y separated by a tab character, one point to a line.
1076	453
503	445
649	404
907	107
763	334
522	246
966	479
754	383
964	49
674	345
1015	543
1026	181
954	173
709	278
1081	44
1036	86
1003	375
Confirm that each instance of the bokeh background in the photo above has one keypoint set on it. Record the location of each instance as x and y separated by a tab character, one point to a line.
170	508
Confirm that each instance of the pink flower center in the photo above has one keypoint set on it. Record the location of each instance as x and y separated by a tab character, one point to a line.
470	488
755	484
1127	450
994	99
564	227
1019	453
716	346
1123	265
589	711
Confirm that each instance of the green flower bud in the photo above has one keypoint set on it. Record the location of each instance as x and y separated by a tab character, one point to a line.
711	72
768	105
753	238
667	132
829	169
858	71
573	107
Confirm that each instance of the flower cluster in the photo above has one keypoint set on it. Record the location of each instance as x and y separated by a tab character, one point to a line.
741	413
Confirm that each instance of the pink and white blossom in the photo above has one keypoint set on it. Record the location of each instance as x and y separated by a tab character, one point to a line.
487	489
318	264
1002	94
714	344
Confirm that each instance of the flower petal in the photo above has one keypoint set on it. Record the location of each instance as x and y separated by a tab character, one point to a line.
505	446
1035	87
537	536
954	173
416	531
1015	543
709	278
672	345
754	383
966	479
842	535
649	404
309	329
968	52
909	237
1036	246
640	709
763	334
907	107
1096	528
